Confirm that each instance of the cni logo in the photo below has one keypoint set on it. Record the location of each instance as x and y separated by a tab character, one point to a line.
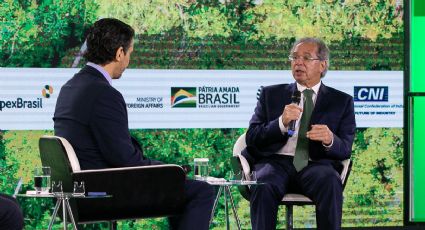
183	97
370	93
47	91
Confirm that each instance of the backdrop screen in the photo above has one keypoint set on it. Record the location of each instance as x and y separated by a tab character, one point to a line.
221	49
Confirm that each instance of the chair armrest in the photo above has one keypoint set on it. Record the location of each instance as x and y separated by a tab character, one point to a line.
137	192
345	170
242	164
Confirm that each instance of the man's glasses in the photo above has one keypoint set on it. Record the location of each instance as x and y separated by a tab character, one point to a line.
302	58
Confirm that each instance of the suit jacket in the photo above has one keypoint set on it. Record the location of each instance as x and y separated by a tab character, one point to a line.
92	116
332	108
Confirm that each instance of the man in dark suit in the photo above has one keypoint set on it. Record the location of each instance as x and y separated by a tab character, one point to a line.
91	114
11	217
309	160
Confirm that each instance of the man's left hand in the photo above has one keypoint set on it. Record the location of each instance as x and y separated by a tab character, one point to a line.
320	133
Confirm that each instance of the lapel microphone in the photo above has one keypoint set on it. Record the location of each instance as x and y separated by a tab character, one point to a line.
296	98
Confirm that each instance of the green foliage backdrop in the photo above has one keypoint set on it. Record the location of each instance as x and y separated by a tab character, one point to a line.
372	197
37	33
215	34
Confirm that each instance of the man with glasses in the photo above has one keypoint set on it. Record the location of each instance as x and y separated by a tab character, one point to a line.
309	160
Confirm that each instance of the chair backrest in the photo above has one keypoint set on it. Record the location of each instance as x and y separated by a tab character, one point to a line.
18	187
55	152
69	150
240	145
239	161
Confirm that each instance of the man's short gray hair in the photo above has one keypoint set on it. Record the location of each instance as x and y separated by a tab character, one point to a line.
322	50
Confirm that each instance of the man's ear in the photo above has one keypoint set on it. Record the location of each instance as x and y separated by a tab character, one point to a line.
119	54
323	65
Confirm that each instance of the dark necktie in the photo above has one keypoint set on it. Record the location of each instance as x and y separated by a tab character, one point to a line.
301	151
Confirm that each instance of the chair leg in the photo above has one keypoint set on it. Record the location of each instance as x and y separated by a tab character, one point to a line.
289	220
112	225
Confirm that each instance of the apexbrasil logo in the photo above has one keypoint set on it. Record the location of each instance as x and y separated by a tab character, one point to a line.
20	103
183	97
47	91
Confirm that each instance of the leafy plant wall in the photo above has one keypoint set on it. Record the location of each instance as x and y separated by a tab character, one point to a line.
225	34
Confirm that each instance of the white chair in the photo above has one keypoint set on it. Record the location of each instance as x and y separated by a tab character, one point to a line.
290	199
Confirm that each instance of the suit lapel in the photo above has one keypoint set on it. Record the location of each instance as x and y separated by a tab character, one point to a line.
321	104
280	97
287	94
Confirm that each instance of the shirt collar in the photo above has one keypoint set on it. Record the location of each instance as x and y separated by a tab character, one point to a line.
102	71
315	88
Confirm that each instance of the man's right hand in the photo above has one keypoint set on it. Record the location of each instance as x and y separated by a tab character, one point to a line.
290	113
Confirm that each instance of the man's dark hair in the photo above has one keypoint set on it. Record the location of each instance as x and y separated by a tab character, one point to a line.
105	37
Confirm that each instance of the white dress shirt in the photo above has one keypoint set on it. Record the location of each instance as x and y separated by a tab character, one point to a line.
289	148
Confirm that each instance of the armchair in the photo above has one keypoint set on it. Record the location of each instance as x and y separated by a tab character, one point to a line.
137	192
239	163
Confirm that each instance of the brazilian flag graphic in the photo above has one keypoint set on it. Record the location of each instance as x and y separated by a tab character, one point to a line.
183	97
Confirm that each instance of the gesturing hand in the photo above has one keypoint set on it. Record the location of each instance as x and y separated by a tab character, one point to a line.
320	133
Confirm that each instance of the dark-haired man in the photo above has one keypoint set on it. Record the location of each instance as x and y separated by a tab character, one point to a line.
92	116
307	162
